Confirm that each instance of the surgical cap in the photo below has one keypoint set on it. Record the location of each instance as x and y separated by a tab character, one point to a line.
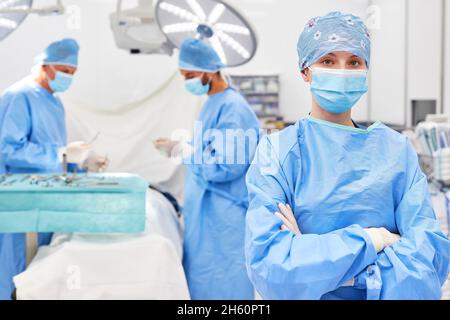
196	55
335	31
63	52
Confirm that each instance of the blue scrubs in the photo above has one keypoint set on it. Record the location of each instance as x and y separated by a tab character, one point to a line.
339	180
217	200
32	129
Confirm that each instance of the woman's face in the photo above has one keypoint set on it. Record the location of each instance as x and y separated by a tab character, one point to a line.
336	60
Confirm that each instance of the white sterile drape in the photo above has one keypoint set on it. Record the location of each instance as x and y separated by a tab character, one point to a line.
80	266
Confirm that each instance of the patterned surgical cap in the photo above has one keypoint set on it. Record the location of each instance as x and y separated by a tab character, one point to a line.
335	31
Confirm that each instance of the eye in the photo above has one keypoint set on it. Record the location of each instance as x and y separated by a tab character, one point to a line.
355	63
327	62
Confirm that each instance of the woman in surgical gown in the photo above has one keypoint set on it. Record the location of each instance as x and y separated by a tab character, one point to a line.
337	210
216	200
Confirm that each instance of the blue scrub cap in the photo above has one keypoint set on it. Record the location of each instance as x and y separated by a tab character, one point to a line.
335	31
63	52
196	55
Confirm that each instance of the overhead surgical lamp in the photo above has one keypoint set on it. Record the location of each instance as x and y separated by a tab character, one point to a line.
14	12
160	27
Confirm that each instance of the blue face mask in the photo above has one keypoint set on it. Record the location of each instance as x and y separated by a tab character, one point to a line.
337	91
61	82
196	87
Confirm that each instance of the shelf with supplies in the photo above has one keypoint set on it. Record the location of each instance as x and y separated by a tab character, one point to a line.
261	92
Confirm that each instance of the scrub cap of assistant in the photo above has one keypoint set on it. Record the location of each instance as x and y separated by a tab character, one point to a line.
63	52
335	31
196	55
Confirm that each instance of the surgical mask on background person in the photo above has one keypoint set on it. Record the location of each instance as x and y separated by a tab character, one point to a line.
196	87
338	90
61	82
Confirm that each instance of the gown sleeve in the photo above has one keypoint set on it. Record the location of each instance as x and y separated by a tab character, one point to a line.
417	266
227	149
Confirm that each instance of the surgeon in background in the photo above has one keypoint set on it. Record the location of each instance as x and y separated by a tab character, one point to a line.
337	210
33	137
216	198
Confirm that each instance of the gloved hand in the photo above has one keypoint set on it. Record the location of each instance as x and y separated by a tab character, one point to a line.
288	218
165	146
76	152
172	148
95	163
382	238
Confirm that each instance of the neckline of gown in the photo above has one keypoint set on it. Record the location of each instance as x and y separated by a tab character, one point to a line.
343	127
40	88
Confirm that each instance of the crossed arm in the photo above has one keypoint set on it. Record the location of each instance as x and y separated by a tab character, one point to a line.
283	264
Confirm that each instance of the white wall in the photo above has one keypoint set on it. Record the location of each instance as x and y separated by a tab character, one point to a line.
446	60
424	52
387	72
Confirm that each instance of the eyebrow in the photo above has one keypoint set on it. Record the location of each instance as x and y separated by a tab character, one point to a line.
332	54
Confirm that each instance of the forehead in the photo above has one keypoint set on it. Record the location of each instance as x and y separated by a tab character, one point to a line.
64	68
341	55
190	73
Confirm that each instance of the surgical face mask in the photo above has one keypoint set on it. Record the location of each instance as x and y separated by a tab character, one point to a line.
196	87
337	91
61	82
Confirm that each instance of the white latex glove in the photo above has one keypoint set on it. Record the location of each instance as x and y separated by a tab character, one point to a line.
165	146
96	164
288	218
76	152
382	238
172	148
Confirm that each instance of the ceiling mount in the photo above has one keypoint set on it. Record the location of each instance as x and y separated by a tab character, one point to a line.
136	30
212	21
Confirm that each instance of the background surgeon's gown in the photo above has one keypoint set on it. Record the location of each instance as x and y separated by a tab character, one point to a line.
216	200
339	180
32	129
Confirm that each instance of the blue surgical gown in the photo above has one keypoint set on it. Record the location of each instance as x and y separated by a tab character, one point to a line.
32	128
216	198
339	180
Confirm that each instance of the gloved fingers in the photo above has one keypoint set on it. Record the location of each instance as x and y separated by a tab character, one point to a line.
102	167
102	162
160	141
291	214
393	239
287	225
79	145
389	236
294	230
288	213
284	220
161	144
377	238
